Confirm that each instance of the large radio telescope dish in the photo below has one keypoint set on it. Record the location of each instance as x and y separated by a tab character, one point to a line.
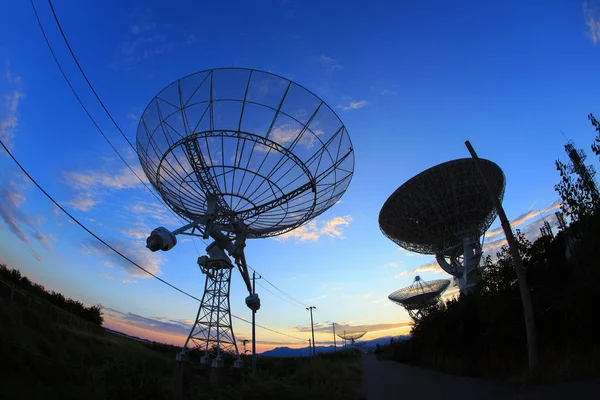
435	211
272	153
419	295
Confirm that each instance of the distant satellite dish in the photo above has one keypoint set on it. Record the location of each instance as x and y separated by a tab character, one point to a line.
420	295
444	211
352	336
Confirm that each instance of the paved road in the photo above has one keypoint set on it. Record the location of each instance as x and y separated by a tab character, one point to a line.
384	380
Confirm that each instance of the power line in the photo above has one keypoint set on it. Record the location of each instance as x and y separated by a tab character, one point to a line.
115	250
299	303
86	78
279	297
64	75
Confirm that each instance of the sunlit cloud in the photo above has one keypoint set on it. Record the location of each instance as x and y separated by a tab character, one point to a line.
323	296
165	325
93	184
591	13
353	105
82	202
314	230
523	218
431	267
122	179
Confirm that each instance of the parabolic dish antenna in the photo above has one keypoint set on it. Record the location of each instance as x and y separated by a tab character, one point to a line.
239	154
420	295
444	211
273	153
352	336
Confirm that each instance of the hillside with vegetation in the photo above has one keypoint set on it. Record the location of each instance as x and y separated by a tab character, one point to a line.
483	333
52	347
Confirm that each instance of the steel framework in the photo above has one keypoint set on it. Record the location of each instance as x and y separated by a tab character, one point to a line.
212	332
273	152
437	209
444	211
239	154
419	296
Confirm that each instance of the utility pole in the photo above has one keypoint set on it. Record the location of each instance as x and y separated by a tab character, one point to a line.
334	344
254	325
312	328
310	349
532	345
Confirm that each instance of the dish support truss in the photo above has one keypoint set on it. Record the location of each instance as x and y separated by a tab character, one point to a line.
462	263
212	332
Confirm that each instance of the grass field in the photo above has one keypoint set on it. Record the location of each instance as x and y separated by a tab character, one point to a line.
42	357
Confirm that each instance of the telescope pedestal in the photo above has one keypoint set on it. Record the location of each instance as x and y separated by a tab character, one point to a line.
212	332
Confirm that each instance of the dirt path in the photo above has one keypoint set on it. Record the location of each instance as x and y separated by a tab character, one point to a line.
384	380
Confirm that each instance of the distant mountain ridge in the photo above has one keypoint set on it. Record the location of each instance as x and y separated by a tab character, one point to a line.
365	345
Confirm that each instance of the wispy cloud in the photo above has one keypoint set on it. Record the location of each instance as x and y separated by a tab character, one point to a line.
591	13
154	211
166	325
329	63
314	230
134	250
353	105
142	43
191	39
323	296
18	222
93	184
122	179
387	92
11	95
82	202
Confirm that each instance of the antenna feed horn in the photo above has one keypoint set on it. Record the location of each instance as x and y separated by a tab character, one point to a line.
253	302
161	239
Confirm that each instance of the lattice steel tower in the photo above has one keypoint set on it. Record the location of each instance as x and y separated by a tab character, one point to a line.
239	154
585	173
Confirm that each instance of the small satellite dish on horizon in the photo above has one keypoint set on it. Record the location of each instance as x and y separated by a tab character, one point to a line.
352	336
419	296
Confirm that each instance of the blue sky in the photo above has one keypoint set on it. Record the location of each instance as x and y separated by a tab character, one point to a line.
411	81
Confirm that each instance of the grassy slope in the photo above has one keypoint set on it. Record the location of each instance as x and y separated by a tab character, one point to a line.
45	357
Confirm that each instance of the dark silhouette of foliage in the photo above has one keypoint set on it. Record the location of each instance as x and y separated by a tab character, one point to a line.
579	196
596	124
92	313
483	333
